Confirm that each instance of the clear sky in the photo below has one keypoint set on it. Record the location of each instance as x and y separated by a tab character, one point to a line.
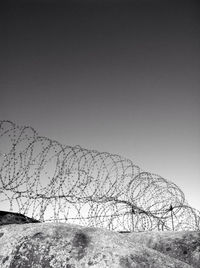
116	76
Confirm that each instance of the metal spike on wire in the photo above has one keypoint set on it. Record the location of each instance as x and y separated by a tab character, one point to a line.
45	180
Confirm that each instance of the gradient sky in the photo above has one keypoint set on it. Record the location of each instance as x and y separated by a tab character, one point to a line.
116	76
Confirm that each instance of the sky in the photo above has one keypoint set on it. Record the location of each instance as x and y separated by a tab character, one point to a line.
115	76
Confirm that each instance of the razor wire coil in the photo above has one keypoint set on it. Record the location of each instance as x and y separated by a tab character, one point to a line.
43	179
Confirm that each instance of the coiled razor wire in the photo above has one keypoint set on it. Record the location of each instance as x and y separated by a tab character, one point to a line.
47	181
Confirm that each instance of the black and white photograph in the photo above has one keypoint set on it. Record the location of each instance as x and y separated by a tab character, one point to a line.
99	134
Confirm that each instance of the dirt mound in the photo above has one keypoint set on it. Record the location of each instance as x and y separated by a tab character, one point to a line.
59	245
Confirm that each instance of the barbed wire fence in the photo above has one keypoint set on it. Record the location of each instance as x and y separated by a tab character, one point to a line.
45	180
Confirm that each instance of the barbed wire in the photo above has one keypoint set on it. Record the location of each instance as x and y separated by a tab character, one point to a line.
45	180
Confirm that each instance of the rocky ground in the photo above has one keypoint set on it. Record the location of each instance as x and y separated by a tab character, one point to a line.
184	245
60	245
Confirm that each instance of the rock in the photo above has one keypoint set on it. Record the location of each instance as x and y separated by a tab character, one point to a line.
7	217
183	245
61	245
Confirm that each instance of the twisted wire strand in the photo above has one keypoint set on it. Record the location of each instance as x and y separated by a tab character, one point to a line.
45	180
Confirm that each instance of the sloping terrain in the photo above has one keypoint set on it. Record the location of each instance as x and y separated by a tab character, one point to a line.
59	245
183	245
